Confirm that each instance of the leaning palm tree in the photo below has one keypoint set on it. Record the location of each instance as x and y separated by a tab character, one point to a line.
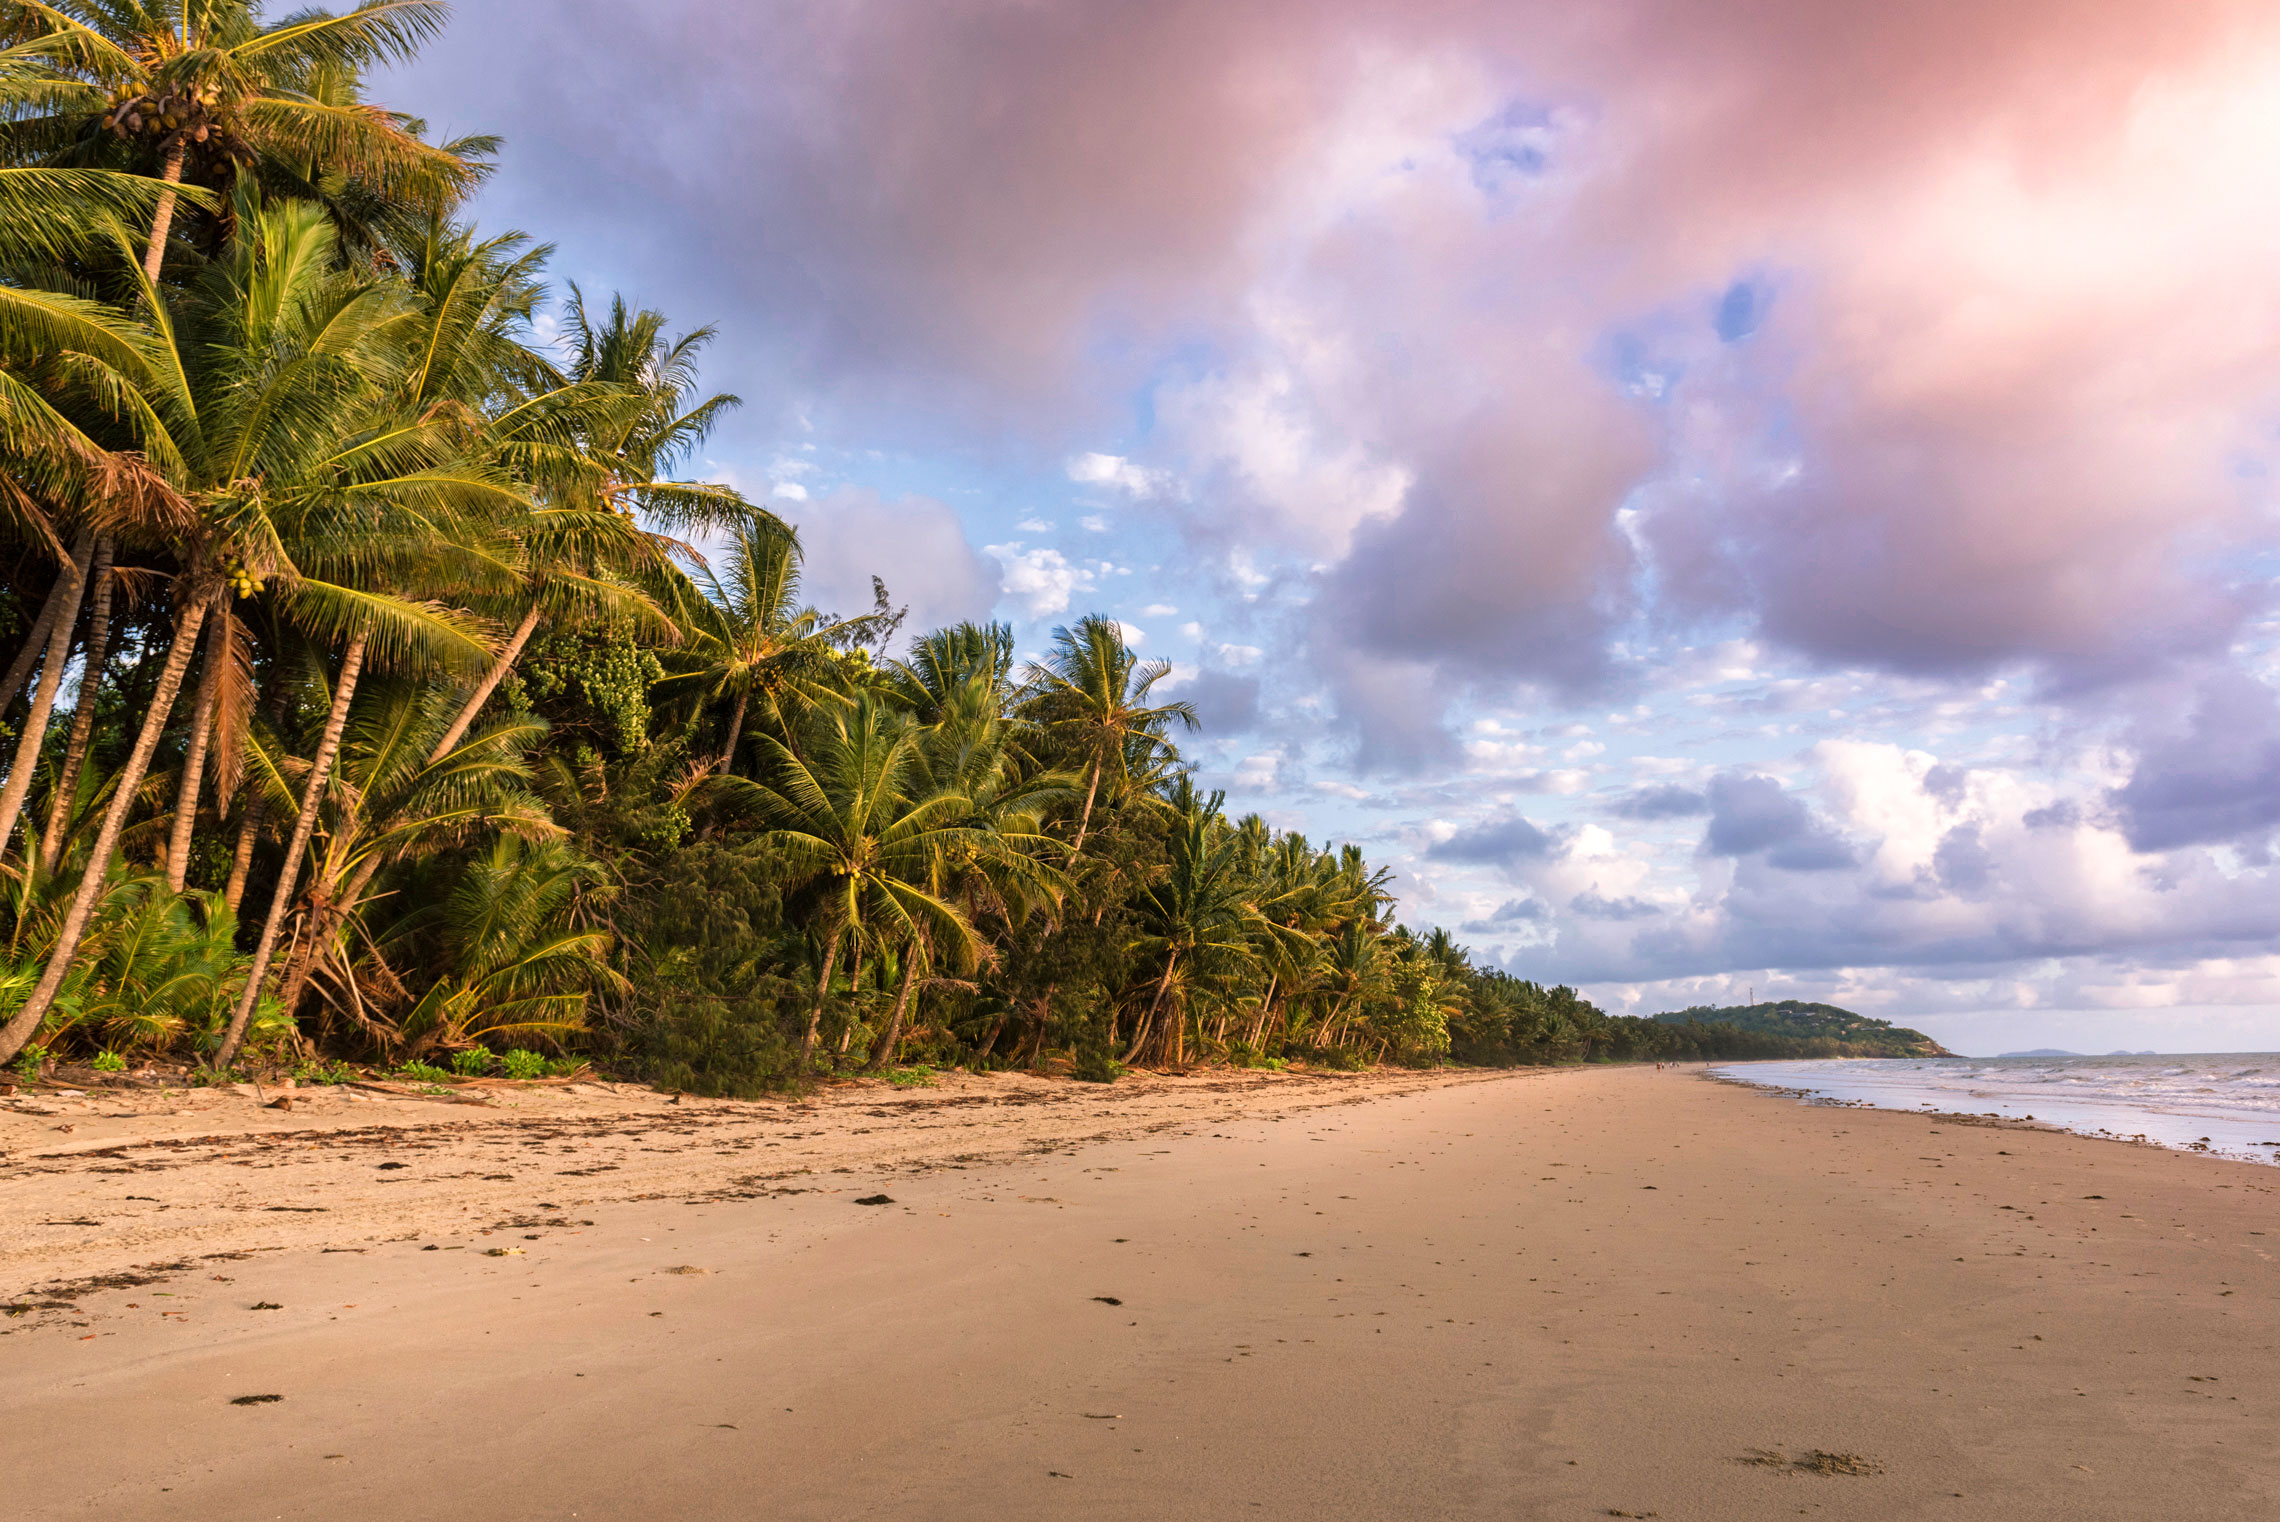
1091	696
263	395
858	828
197	90
398	801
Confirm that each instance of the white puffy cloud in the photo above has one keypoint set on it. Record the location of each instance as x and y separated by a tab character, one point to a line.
1042	580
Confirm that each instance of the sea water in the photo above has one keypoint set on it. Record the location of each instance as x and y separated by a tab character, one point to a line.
2226	1102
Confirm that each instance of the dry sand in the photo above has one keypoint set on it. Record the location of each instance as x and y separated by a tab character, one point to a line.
1568	1295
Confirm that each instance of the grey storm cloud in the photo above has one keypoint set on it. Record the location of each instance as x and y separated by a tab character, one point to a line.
1503	842
1753	814
1663	801
2215	779
1513	911
1593	907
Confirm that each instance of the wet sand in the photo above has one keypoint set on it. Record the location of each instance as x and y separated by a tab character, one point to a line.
1569	1295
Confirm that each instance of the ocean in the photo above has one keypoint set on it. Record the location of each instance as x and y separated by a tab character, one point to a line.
2224	1103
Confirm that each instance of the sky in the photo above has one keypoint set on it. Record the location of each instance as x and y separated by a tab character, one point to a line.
1747	499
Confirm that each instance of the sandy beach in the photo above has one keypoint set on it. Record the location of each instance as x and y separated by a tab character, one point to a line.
1574	1294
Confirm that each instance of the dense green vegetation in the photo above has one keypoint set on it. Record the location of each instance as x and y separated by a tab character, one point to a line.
1828	1030
379	687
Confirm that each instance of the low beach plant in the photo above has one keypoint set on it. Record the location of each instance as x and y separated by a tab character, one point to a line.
109	1062
474	1062
522	1066
916	1076
421	1072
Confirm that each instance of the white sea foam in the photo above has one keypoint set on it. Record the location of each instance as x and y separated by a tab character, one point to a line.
2226	1103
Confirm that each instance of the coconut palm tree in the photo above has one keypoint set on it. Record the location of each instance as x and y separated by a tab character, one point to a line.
197	91
1091	697
858	828
753	645
1196	919
263	395
396	801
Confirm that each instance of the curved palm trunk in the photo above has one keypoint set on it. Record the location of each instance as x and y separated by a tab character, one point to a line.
69	588
35	643
312	798
815	1013
194	758
735	733
891	1037
1148	1022
1084	820
328	913
483	689
129	781
154	256
83	712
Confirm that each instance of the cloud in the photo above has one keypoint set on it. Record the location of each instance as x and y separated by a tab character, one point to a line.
1749	815
1041	581
1505	842
1119	473
1509	914
916	545
2214	778
1664	800
1592	906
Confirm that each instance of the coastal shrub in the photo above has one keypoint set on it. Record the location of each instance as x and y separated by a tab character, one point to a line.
320	1072
109	1062
474	1062
421	1072
519	1064
915	1076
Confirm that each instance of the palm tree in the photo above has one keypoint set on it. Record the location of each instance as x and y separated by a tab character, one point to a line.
262	394
200	89
753	645
664	421
1196	918
1091	695
855	825
397	801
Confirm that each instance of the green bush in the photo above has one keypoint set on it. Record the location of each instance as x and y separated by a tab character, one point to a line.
421	1072
324	1072
109	1062
916	1076
520	1064
473	1063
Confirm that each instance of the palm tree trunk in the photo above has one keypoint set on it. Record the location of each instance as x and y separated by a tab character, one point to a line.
312	798
988	1043
69	588
1084	820
83	712
891	1037
194	758
154	257
1148	1021
35	643
123	790
241	856
735	732
854	991
328	912
483	689
815	1013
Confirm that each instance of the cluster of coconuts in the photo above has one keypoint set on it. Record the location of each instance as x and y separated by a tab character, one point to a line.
176	119
243	583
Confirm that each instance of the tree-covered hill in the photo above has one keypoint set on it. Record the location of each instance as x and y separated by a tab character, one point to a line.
1856	1035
